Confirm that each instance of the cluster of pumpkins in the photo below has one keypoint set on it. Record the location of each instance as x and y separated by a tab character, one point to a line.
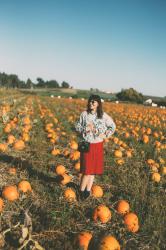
155	168
103	214
12	192
11	124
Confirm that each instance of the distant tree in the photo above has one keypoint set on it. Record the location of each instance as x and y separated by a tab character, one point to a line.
29	84
40	83
52	84
130	95
13	81
65	84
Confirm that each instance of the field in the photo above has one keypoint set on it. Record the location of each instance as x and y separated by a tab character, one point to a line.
38	144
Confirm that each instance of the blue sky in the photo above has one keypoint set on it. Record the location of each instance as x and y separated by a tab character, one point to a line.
103	44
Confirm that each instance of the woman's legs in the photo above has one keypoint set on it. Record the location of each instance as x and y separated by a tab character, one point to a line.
86	182
90	182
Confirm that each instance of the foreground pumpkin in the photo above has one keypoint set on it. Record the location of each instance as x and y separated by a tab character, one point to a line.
102	213
10	193
70	195
122	207
109	243
24	186
1	205
83	240
131	222
97	191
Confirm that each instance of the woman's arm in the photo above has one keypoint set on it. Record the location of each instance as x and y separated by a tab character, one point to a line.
79	124
110	125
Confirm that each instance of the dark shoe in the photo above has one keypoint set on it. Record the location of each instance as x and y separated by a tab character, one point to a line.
82	195
86	194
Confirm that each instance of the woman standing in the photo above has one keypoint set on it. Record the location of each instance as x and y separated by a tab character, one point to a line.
94	125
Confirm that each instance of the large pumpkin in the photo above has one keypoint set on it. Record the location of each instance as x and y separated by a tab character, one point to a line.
131	222
109	243
10	193
102	213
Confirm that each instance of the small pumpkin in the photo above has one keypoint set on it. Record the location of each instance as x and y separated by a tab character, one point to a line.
70	195
118	153
122	207
10	193
83	240
60	170
24	186
156	177
66	179
19	145
97	191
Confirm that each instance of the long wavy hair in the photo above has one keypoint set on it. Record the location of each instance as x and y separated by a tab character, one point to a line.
99	108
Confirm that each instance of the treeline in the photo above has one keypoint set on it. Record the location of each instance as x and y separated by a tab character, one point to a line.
131	95
13	81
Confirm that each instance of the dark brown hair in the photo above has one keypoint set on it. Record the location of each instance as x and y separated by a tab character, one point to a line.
99	108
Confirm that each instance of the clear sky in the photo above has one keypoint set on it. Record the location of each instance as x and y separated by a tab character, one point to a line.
104	44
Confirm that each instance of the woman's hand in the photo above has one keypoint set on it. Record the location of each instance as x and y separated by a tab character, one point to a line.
90	126
102	136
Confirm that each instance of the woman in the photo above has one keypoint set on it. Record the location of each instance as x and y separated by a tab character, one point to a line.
94	125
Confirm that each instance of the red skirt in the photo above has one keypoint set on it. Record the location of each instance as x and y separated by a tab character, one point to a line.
92	162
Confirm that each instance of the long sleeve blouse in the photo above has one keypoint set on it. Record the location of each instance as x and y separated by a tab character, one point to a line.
104	125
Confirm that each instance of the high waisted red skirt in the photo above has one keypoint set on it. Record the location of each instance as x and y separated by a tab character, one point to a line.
92	162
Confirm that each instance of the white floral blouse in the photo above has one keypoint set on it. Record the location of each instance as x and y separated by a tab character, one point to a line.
105	126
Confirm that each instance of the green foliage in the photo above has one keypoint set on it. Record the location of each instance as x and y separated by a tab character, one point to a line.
130	95
65	85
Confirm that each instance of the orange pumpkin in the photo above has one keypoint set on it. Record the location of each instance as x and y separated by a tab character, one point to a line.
10	139
74	145
77	166
118	153
83	240
19	145
109	242
131	222
60	170
66	179
3	147
10	193
122	207
70	194
12	170
97	191
24	186
102	213
75	155
1	205
55	151
156	177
